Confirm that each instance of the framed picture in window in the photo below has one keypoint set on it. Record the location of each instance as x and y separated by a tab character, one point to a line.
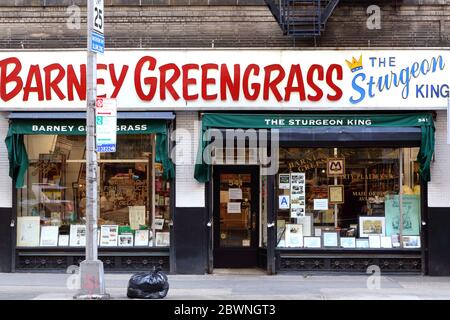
362	243
330	239
126	240
336	194
312	242
369	225
348	242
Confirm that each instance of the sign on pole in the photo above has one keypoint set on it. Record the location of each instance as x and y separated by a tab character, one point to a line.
97	38
106	122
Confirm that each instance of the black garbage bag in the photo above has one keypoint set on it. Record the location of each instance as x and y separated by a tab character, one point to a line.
148	285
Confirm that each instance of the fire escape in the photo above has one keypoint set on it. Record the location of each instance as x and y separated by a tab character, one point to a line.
302	18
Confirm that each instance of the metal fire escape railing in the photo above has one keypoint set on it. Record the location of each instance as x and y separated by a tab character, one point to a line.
302	18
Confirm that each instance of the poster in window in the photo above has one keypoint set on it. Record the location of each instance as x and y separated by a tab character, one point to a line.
284	181
77	235
297	195
233	207
411	215
330	239
294	235
63	240
158	224
235	193
369	225
348	242
312	242
28	231
136	216
109	235
49	236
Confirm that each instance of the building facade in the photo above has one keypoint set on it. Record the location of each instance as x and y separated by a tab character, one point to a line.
242	141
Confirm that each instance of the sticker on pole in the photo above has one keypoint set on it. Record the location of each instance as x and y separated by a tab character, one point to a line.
106	124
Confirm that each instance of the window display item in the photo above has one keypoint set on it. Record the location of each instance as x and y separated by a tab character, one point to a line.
126	240
109	235
28	231
284	181
235	193
294	235
283	202
374	241
386	242
77	235
298	200
336	194
49	236
395	241
362	243
312	242
411	241
371	226
411	215
141	238
162	239
330	239
335	167
320	204
348	242
306	222
158	224
136	216
63	240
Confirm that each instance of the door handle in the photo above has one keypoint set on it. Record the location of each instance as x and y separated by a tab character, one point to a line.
13	223
209	224
271	225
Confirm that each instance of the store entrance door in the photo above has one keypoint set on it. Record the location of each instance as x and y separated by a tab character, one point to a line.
236	216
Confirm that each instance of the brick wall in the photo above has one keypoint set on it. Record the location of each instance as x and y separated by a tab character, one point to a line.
188	193
41	24
439	186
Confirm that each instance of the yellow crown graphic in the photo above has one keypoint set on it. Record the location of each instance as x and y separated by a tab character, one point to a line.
355	65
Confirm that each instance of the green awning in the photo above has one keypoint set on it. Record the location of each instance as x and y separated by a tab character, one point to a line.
18	157
270	121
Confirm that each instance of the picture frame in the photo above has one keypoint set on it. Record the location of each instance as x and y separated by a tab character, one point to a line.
411	241
28	231
371	225
141	238
386	242
374	241
63	240
312	242
109	235
284	181
77	235
126	240
362	243
335	167
49	236
348	242
330	239
307	222
294	236
162	239
336	194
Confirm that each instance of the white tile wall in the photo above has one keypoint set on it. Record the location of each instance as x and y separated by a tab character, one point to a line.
5	180
188	192
439	186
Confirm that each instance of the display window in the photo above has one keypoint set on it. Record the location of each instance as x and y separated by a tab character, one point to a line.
349	198
134	196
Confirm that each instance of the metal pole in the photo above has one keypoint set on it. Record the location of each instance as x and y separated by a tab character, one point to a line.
400	200
92	284
336	209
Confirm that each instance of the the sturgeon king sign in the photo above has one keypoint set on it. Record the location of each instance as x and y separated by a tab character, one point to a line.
212	79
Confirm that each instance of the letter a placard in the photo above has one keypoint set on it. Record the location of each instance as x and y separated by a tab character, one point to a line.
335	167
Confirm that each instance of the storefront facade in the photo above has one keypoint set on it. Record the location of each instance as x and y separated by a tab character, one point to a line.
285	160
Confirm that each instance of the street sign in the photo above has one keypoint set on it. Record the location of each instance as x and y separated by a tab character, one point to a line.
106	124
98	22
97	43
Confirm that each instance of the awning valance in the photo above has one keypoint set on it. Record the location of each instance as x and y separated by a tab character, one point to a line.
424	121
17	154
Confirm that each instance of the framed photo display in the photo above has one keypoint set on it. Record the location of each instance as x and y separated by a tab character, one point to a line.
297	198
348	242
126	240
369	225
77	235
330	239
312	242
335	194
28	231
294	235
49	236
109	235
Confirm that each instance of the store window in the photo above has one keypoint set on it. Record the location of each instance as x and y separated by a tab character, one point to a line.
134	197
349	198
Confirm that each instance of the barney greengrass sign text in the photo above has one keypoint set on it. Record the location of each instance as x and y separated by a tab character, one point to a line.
106	124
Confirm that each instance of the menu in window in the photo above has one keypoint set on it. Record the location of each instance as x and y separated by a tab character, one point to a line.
136	216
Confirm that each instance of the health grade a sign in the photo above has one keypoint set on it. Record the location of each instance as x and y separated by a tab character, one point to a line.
106	124
212	79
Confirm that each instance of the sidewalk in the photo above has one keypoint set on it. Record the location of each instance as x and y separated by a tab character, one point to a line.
236	285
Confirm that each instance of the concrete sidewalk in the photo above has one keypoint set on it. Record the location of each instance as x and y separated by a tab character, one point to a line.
237	285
